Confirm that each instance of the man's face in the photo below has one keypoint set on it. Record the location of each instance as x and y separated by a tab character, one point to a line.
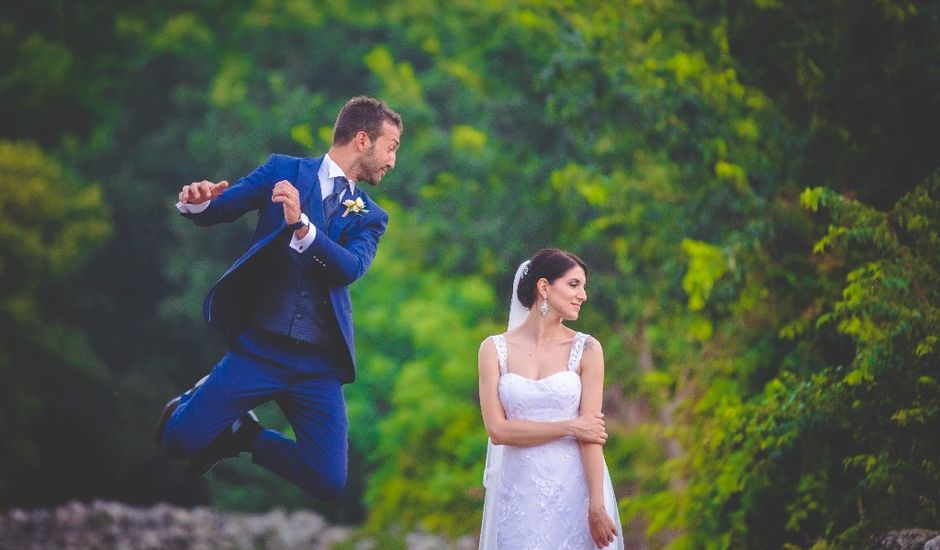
379	157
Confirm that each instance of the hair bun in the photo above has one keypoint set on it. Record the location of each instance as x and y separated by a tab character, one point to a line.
548	263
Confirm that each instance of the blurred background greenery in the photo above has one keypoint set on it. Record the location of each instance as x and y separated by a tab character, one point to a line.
750	181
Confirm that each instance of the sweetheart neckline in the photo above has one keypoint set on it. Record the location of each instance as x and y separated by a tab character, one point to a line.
540	379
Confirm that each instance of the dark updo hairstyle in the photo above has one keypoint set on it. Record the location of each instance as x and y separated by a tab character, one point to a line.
548	263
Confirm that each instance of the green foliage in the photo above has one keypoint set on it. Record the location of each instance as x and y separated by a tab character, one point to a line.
851	77
706	266
41	235
813	447
50	222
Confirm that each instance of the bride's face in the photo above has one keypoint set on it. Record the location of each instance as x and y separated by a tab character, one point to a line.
567	293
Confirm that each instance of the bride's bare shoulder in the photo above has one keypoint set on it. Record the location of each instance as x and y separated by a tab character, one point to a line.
592	346
488	342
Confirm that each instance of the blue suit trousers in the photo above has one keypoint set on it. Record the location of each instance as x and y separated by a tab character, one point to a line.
305	382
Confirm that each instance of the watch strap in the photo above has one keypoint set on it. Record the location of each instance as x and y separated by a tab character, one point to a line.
304	221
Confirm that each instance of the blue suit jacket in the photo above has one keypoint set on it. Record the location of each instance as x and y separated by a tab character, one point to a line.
338	257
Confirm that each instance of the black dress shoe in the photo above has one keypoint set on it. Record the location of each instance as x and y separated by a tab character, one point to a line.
228	444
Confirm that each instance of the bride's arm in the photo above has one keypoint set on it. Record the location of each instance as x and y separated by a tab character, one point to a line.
524	433
602	526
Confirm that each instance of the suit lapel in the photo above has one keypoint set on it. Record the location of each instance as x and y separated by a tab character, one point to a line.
308	184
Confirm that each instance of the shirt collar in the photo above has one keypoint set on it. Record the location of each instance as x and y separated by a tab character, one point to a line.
329	169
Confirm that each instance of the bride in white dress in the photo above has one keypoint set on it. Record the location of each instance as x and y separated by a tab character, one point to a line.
541	384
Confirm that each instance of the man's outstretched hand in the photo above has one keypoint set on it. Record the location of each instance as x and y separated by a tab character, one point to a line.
202	191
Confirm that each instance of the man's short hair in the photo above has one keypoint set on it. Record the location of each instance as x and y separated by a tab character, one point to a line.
366	114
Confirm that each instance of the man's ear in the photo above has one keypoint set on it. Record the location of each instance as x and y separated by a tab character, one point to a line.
362	140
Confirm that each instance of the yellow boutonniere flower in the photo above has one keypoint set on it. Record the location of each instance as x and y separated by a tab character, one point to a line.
354	206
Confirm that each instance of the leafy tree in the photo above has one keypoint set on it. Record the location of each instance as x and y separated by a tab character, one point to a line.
854	78
50	222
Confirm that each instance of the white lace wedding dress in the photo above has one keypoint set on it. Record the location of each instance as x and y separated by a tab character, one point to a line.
541	495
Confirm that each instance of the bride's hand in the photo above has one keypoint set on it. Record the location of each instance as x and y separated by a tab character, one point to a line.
589	428
602	527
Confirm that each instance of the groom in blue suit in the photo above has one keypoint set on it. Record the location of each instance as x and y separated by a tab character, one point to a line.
284	306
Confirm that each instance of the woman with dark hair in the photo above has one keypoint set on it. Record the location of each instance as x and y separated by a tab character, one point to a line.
541	385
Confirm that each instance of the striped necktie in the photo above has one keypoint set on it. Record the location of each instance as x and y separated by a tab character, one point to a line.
331	202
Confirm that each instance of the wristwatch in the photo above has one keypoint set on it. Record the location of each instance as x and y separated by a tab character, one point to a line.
304	221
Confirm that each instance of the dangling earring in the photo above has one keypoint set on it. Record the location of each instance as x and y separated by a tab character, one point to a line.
544	308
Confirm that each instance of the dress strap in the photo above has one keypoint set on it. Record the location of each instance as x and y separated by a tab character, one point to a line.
577	349
499	341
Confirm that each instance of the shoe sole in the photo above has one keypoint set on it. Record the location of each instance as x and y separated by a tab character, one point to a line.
194	471
168	411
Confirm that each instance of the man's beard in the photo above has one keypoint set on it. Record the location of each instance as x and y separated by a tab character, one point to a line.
368	167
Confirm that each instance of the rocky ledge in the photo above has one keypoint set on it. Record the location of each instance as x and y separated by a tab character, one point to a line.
111	525
908	539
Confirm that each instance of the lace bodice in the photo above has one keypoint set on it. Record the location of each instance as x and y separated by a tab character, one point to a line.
555	397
